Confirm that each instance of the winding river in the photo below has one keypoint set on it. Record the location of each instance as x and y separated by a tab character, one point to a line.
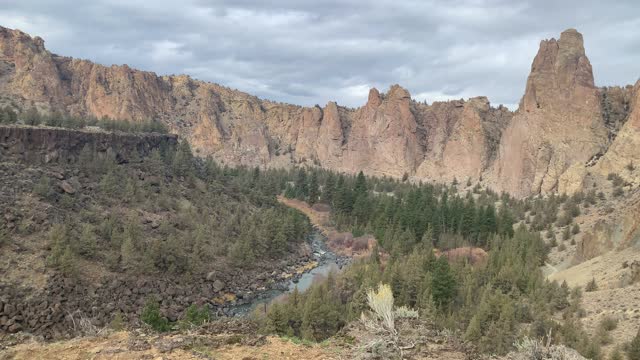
327	262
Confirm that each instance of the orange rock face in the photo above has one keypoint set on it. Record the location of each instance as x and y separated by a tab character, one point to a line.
543	147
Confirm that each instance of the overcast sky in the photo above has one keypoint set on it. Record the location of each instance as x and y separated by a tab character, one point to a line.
313	51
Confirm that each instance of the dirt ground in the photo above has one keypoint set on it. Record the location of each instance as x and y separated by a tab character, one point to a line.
415	339
126	346
614	297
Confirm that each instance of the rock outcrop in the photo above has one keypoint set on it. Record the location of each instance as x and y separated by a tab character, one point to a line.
45	145
564	124
558	124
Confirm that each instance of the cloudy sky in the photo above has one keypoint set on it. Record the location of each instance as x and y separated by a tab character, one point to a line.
312	51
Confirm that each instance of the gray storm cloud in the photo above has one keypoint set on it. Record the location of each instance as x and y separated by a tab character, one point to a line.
308	52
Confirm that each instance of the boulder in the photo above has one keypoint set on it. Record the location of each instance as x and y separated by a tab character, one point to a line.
67	187
218	285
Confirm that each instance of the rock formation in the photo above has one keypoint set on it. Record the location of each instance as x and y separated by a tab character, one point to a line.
564	125
558	124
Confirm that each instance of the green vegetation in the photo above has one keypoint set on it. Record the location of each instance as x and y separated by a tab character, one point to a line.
168	213
493	302
8	116
32	117
195	316
117	323
152	317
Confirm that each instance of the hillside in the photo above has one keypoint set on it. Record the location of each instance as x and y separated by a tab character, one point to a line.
97	223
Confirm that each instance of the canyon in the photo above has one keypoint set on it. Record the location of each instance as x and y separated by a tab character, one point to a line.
566	134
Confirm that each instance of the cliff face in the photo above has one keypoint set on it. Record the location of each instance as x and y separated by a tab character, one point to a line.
44	145
564	123
558	124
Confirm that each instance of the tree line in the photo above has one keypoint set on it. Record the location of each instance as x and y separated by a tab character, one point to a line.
32	117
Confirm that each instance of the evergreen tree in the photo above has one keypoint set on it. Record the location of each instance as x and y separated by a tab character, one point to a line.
314	190
67	263
301	186
443	284
328	189
87	243
183	159
360	187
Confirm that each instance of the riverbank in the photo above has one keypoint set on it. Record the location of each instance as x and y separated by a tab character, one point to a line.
341	243
322	262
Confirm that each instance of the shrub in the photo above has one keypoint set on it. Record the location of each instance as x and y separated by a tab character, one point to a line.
609	323
575	229
195	316
616	354
32	117
527	349
381	302
615	179
117	323
633	351
152	317
618	191
630	166
591	286
404	312
43	188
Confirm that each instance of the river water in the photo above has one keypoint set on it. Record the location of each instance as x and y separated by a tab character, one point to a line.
327	262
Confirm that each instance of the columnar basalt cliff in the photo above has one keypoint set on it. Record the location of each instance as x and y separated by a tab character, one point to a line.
564	124
44	145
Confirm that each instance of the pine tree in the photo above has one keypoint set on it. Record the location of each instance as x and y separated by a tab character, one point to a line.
328	189
67	263
443	283
505	221
468	219
343	201
314	190
360	187
87	243
301	186
591	286
128	252
183	159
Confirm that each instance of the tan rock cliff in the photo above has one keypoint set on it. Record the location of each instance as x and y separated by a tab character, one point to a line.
565	130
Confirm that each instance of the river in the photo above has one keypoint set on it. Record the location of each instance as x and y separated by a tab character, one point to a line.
327	262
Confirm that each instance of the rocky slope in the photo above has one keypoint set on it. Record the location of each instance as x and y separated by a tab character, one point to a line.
564	124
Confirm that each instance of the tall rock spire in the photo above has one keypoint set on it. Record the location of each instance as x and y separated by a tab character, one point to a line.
561	74
559	123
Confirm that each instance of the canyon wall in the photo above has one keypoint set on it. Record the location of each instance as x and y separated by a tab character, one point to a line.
564	126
